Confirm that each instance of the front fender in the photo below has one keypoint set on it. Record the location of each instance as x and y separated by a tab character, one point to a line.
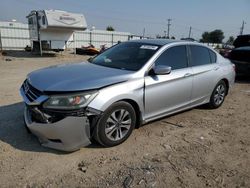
132	89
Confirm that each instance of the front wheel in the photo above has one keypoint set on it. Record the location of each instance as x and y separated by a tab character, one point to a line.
218	95
116	124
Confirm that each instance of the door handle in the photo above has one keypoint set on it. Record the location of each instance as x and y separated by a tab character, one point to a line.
187	75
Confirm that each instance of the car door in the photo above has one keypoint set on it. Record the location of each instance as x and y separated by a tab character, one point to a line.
205	70
166	93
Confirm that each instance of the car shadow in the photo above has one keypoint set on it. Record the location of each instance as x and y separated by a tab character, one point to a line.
14	133
95	145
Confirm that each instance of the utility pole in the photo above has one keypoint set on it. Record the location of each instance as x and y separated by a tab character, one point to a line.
169	20
143	33
242	27
190	30
1	47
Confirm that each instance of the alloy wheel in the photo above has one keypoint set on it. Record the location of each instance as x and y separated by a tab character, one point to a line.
219	94
118	124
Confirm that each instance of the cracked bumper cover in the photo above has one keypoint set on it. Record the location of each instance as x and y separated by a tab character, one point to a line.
68	134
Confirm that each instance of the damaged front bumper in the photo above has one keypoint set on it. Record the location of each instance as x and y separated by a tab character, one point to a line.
66	130
68	134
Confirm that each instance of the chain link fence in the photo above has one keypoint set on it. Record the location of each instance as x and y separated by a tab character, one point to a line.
15	36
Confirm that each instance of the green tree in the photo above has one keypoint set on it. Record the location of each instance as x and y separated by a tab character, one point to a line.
230	40
110	28
205	37
215	36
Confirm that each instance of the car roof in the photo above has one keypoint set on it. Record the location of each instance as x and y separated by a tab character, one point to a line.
160	42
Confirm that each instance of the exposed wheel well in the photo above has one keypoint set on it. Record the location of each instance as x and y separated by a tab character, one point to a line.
95	118
137	111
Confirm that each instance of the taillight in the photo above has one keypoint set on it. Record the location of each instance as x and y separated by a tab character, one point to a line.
234	68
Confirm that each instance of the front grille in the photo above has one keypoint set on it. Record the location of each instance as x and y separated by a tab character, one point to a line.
30	92
79	112
39	116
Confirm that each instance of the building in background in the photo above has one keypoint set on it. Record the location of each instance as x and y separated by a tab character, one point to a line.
56	30
16	36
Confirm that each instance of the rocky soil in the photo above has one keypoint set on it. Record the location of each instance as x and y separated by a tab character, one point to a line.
195	148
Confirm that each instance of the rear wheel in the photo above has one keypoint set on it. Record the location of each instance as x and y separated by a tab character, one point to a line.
218	95
116	124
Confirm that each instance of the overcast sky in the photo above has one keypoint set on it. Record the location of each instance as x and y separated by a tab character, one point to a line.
135	15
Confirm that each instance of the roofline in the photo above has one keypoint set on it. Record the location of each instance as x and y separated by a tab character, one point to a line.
163	42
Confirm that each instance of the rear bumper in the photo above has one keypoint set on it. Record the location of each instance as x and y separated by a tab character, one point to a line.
69	134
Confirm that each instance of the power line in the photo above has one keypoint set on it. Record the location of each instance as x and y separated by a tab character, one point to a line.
194	30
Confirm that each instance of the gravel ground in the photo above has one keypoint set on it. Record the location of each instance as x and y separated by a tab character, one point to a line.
196	148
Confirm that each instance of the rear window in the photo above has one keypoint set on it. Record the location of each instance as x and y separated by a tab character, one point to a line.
213	56
199	55
43	20
242	40
30	21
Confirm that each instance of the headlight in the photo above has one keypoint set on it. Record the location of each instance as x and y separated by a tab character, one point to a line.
70	102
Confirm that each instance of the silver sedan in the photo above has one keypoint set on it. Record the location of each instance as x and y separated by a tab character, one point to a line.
132	83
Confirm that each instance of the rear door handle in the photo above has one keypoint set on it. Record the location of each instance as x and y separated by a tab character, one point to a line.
187	75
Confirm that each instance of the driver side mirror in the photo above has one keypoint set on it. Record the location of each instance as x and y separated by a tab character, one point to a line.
161	70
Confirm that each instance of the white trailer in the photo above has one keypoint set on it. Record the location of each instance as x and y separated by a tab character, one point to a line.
53	29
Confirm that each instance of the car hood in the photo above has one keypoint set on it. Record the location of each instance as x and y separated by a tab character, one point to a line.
76	77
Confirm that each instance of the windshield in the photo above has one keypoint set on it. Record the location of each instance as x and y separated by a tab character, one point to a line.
128	56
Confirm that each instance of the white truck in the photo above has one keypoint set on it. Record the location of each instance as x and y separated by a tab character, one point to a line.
53	29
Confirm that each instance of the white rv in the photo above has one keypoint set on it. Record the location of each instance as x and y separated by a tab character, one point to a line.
53	29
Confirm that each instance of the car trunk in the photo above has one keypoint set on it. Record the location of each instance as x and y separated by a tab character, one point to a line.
241	54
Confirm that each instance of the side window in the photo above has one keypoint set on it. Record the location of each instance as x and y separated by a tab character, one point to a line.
43	20
213	56
175	57
199	55
30	20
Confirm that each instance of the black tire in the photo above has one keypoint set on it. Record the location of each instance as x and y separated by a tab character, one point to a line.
218	96
106	123
25	125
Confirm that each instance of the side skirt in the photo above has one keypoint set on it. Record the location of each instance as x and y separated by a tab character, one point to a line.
172	112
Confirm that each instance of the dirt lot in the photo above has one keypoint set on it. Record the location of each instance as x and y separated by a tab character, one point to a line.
196	148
